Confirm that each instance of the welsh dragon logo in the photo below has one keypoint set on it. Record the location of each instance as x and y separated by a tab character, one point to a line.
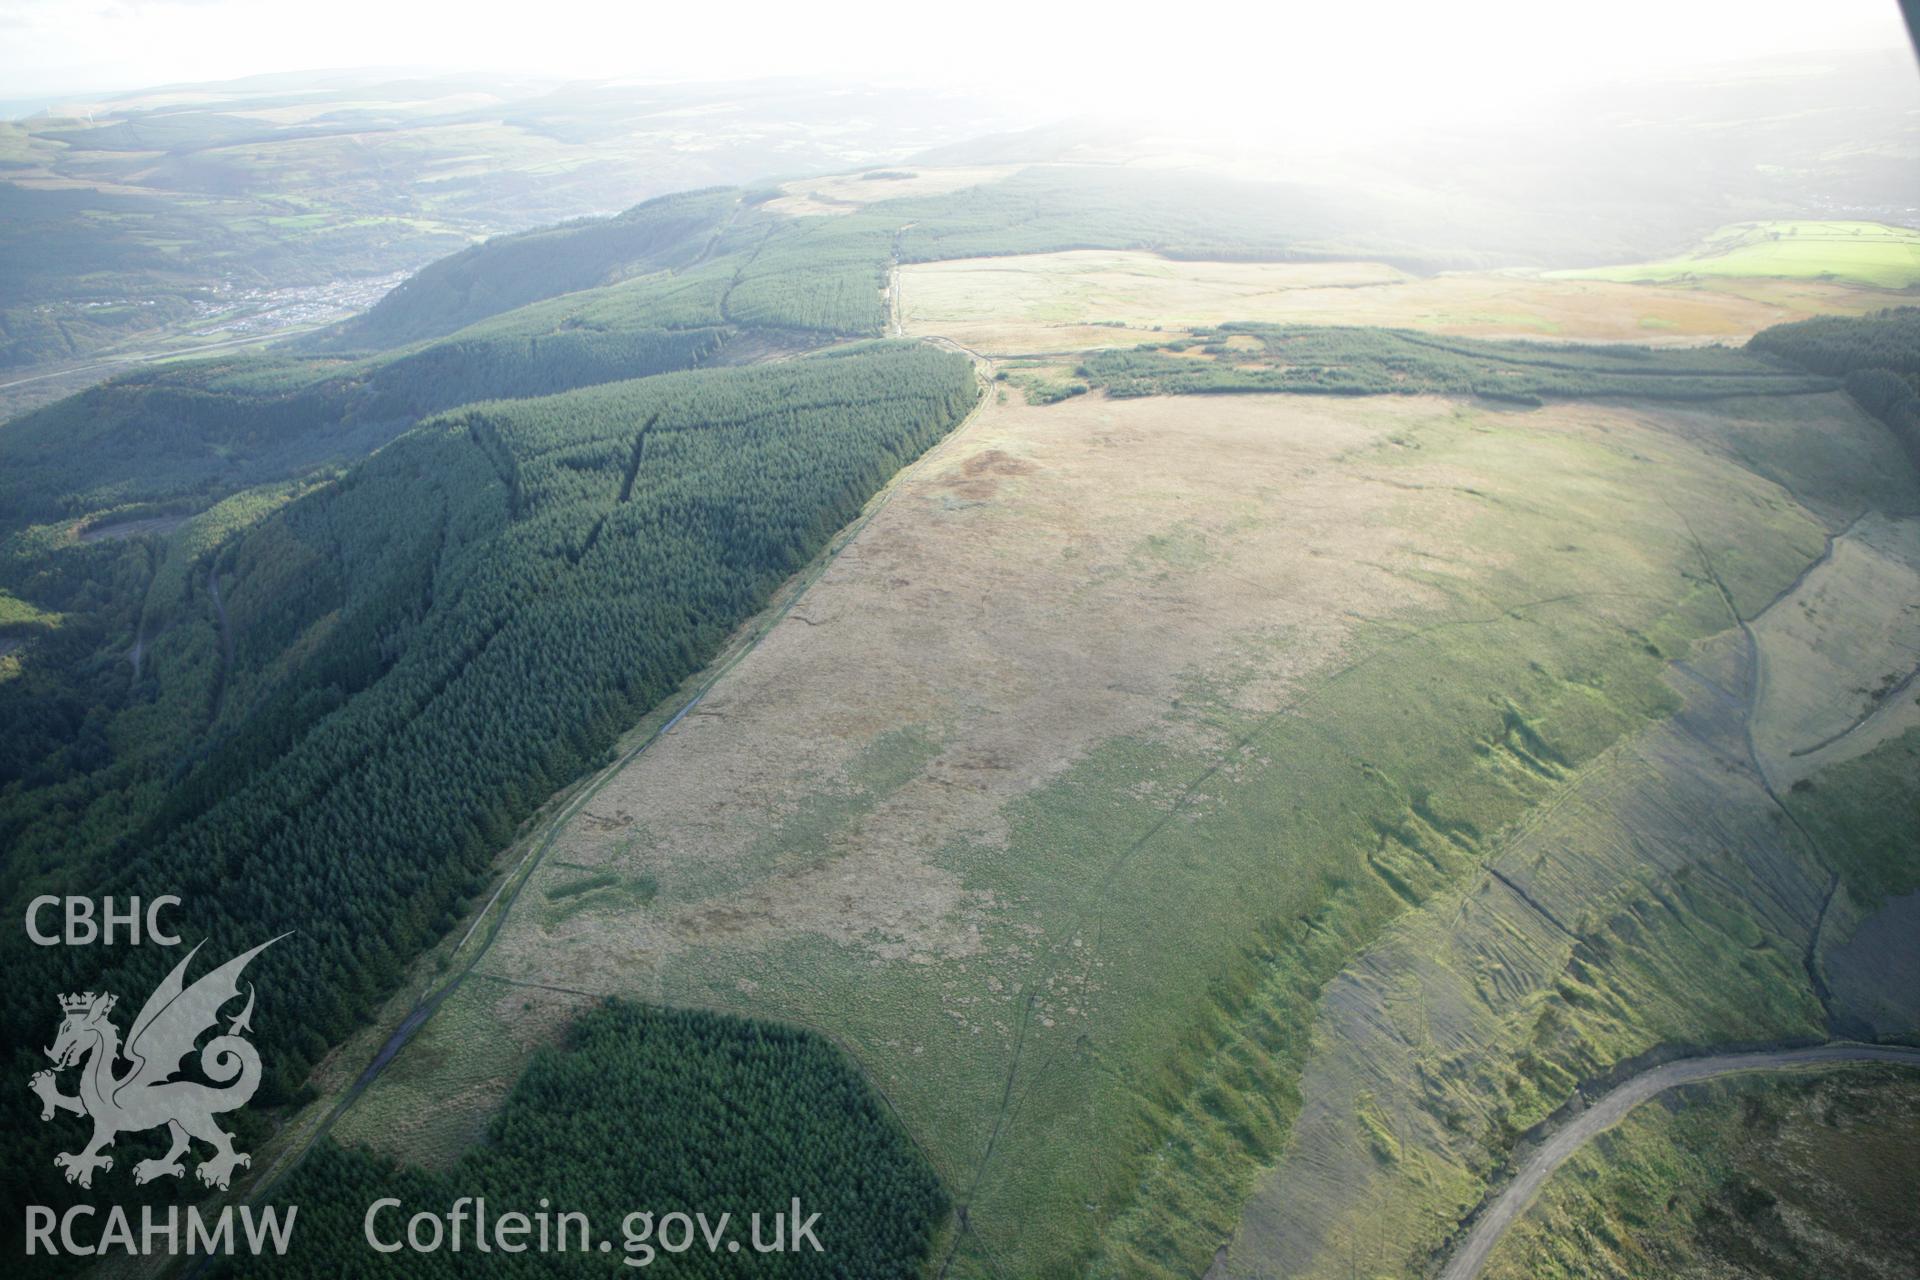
146	1095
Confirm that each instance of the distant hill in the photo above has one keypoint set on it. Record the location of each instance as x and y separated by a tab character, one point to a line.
170	213
513	270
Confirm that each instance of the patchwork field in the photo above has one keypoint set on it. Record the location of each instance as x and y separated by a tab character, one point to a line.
1060	302
1114	737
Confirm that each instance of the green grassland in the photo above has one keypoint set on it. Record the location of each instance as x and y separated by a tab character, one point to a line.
1807	1177
1868	253
1211	933
1865	810
17	617
1660	861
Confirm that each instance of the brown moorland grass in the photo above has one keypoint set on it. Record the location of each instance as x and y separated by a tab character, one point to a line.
1097	298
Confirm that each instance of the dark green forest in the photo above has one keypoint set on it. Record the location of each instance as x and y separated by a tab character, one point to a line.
655	1110
359	698
183	437
1357	361
1877	357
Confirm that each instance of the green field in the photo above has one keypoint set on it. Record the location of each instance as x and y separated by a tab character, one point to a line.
18	617
1868	253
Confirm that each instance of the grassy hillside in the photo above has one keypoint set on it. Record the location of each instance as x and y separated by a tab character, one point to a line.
511	271
1078	926
1102	998
1209	818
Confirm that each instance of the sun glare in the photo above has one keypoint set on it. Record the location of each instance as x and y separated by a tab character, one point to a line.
1283	68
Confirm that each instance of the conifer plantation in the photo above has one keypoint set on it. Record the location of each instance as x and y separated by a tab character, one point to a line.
394	670
656	1111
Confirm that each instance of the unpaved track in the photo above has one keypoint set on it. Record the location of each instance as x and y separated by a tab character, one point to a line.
1500	1213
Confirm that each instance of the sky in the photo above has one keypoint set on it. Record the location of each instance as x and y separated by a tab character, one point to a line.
1366	61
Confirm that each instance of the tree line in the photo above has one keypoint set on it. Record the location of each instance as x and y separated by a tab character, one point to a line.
1334	360
1876	356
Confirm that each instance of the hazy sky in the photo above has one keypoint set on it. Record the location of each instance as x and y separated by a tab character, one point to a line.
1372	59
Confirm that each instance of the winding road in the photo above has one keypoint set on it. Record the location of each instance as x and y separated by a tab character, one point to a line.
1500	1213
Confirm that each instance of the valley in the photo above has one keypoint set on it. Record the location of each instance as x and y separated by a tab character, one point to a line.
1206	740
179	218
